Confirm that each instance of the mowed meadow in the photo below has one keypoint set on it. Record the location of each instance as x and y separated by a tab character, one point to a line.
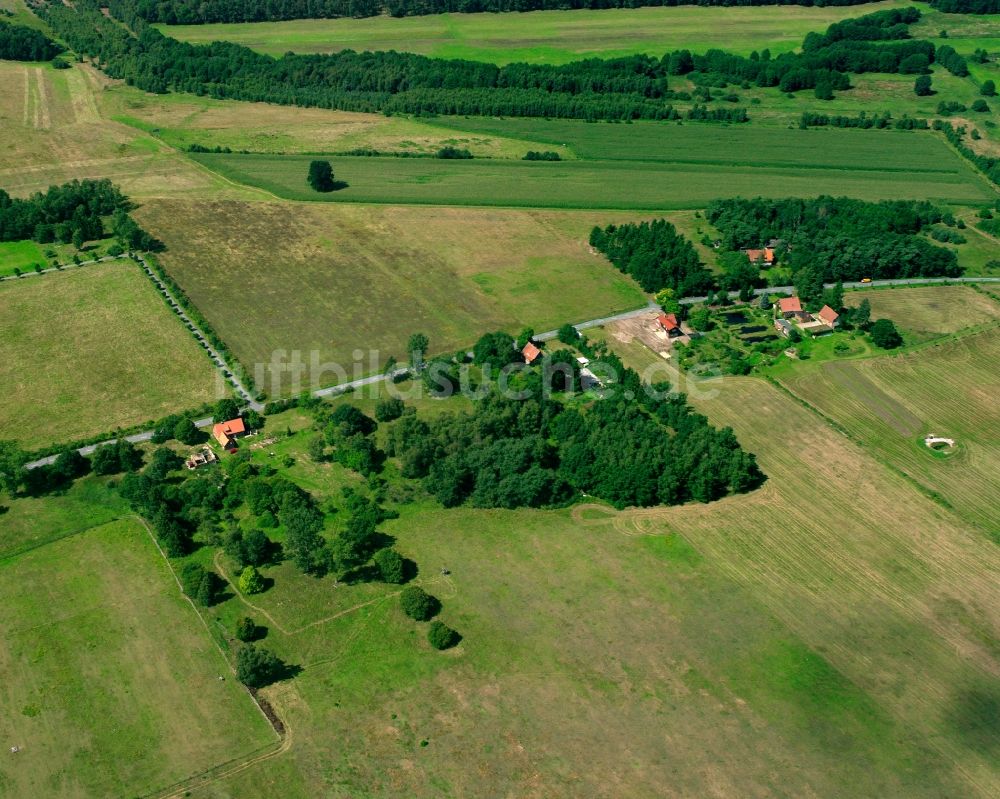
333	280
111	683
641	166
92	349
889	404
548	37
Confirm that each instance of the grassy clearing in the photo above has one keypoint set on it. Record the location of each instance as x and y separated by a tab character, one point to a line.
333	279
116	356
52	130
549	37
26	255
891	403
31	522
577	184
111	683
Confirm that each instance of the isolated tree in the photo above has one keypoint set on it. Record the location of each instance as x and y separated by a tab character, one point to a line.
12	460
700	318
861	317
441	636
256	547
250	581
980	106
391	566
885	335
568	334
922	86
667	300
225	410
417	348
246	629
78	239
524	337
186	432
207	590
105	460
764	303
321	176
988	89
418	604
256	666
389	409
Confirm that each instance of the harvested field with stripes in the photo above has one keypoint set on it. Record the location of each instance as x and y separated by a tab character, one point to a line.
895	590
889	404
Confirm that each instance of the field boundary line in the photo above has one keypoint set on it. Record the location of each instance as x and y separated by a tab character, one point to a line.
9	557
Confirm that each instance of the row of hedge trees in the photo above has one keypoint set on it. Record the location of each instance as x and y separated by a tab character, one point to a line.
194	12
21	43
634	87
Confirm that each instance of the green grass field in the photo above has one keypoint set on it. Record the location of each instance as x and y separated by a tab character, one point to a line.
26	255
890	404
628	184
91	349
111	684
549	37
774	638
332	279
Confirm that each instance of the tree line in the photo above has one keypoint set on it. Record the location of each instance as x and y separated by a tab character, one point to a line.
388	82
73	212
194	12
655	255
633	87
21	43
631	447
828	239
61	211
877	42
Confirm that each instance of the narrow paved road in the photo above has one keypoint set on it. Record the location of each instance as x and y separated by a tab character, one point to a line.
911	281
331	391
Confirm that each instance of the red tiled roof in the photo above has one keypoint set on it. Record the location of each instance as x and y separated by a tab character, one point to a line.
766	255
668	321
530	352
789	304
828	315
224	432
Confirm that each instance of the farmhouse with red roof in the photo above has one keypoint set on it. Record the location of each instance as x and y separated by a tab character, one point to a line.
530	352
226	433
670	325
829	316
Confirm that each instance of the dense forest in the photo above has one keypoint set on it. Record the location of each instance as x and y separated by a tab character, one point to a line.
623	88
655	254
61	211
534	452
192	12
827	239
21	43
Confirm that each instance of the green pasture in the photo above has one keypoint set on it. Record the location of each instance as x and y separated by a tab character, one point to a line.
550	37
111	683
594	184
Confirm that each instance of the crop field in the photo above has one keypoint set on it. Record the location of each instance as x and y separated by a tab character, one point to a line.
728	145
105	664
549	37
52	130
891	403
330	280
93	349
926	313
638	185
